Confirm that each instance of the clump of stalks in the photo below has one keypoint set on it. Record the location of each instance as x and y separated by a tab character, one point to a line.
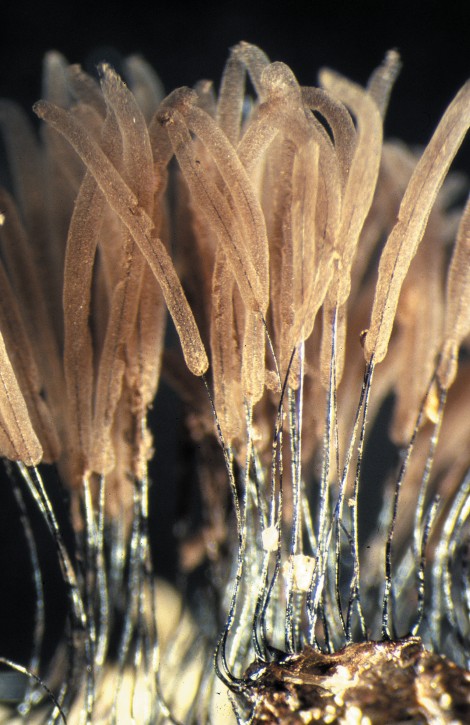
315	275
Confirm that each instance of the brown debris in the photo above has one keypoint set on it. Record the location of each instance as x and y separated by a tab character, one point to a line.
368	683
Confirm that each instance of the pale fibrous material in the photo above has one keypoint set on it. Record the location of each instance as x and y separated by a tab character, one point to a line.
315	278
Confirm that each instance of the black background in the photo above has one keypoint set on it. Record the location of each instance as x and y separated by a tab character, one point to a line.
188	42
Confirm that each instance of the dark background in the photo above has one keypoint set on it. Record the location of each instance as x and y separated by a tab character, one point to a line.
184	44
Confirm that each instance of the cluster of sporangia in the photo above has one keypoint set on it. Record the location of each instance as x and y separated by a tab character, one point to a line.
264	255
